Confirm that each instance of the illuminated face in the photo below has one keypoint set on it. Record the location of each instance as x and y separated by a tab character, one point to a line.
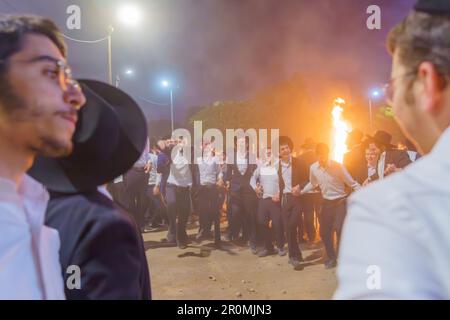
371	158
40	113
372	148
285	151
162	144
323	158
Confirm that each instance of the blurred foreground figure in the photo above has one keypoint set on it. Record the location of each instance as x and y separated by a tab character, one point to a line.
396	240
38	114
102	253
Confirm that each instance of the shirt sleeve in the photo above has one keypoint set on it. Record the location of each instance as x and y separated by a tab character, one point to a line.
381	255
254	178
313	182
348	179
158	179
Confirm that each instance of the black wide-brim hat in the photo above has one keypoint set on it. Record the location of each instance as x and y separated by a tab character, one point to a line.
435	7
383	138
110	137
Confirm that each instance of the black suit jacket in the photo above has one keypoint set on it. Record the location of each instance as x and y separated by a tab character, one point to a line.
240	183
398	157
103	241
300	174
356	164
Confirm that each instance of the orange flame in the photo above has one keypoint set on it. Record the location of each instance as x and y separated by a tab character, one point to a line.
341	128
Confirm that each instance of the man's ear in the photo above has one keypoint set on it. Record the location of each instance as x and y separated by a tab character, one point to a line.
432	87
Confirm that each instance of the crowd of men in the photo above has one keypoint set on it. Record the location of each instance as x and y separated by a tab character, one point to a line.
269	204
62	140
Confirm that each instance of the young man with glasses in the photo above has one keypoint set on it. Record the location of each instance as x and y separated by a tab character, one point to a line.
38	114
396	240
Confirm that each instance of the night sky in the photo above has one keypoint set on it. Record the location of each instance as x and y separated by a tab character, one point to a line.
226	49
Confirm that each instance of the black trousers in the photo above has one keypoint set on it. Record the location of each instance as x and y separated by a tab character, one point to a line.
135	187
178	209
268	210
291	206
311	203
332	218
156	210
243	216
209	202
117	191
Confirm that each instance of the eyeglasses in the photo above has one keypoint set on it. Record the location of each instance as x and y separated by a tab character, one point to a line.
62	72
389	89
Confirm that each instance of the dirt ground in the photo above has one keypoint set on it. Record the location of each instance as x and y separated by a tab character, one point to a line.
202	272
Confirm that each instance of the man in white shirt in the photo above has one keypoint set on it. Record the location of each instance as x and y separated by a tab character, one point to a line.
243	200
332	178
292	176
208	197
38	114
155	209
265	182
396	240
178	195
135	187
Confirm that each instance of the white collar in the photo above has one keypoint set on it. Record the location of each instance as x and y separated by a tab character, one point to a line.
442	145
31	194
284	164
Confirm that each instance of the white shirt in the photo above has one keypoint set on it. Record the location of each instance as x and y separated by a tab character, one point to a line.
153	174
209	169
29	250
402	226
144	158
381	165
241	162
267	175
286	173
331	180
180	173
412	155
371	171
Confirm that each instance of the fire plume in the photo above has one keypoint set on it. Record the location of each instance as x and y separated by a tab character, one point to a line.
341	128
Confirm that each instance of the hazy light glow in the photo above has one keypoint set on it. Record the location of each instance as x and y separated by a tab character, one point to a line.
129	15
129	72
165	83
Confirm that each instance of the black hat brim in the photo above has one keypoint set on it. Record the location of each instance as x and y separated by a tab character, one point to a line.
110	137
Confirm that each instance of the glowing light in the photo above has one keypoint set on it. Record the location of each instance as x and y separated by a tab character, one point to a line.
129	15
165	83
341	128
375	93
129	72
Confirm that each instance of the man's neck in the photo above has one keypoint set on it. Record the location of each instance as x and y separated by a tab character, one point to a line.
14	162
286	159
324	164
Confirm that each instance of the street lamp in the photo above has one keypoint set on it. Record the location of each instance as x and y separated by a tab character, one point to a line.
374	94
128	15
166	84
128	72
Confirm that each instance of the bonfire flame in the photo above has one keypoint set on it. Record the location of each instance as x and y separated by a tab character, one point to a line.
341	128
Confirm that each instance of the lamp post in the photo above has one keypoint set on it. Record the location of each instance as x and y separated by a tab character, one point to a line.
374	94
128	72
166	84
128	15
110	32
